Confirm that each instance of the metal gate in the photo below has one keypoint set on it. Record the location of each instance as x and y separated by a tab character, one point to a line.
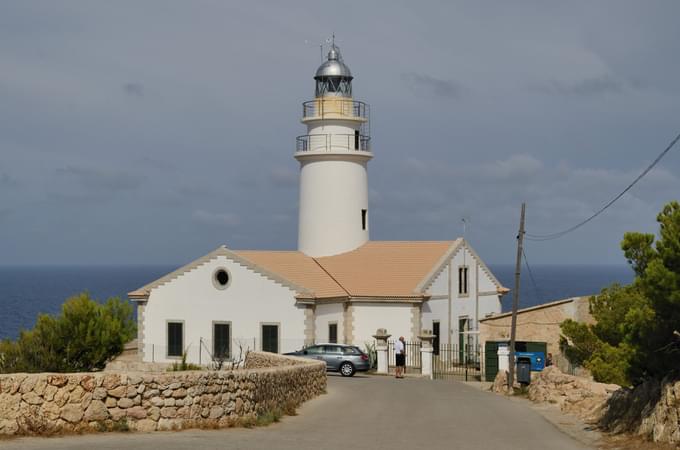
458	363
413	360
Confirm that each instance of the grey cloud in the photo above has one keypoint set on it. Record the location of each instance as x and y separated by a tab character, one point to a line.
283	177
101	179
7	181
134	89
431	86
216	218
583	88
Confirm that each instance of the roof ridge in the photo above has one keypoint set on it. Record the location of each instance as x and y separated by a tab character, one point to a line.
331	277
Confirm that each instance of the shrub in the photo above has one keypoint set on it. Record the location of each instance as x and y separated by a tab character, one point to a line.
84	337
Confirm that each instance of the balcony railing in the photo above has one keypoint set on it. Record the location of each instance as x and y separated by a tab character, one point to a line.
335	106
333	142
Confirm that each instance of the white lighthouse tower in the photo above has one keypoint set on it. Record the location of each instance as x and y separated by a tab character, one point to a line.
333	157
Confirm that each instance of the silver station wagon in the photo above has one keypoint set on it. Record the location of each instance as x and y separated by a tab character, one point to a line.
346	359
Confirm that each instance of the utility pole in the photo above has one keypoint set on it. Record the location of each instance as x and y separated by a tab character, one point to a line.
515	299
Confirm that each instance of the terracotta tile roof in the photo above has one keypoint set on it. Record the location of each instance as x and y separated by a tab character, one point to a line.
386	268
296	267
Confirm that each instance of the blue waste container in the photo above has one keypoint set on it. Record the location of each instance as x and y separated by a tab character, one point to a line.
537	359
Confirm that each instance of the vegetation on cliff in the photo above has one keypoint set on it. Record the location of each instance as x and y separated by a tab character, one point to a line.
636	335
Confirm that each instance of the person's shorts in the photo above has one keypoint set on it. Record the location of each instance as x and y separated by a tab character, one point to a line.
401	360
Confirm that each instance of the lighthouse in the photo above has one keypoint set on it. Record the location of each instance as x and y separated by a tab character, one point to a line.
333	158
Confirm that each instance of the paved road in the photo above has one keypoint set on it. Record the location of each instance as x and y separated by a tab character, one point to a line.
361	413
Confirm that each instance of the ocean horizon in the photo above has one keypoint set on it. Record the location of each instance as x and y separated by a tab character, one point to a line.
26	291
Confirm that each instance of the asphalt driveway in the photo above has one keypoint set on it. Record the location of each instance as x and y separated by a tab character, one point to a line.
363	412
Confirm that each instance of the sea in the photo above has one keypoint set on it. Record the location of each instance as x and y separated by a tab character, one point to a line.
26	292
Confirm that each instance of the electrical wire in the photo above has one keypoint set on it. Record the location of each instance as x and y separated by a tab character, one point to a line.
531	276
559	234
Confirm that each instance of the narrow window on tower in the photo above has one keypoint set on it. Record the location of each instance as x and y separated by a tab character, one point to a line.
356	139
363	218
463	280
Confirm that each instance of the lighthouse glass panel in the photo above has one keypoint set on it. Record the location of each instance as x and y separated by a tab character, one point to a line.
340	86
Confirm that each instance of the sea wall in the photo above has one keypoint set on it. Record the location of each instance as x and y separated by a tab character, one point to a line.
48	403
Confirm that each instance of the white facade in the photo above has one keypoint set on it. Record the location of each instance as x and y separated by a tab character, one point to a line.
397	318
456	309
325	315
249	301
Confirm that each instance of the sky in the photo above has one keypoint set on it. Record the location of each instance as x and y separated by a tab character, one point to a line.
151	132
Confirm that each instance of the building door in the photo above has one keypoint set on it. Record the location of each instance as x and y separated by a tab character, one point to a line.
462	328
270	338
333	333
436	340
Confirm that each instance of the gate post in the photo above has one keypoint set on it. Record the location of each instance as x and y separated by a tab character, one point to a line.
426	353
381	337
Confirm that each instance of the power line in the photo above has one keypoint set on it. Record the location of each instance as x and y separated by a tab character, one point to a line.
559	234
531	276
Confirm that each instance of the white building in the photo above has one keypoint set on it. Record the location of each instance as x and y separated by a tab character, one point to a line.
338	286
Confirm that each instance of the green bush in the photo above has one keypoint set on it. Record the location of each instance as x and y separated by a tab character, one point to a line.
84	337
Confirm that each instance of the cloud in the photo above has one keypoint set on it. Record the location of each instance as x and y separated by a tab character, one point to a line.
283	177
134	89
587	87
101	179
431	86
7	182
213	218
521	165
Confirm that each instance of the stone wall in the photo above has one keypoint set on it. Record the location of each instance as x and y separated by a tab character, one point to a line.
53	403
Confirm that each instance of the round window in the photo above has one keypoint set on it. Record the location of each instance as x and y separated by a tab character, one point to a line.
221	278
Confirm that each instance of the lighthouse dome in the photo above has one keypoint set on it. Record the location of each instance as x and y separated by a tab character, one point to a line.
334	66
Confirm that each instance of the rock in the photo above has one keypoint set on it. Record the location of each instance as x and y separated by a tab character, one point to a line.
131	392
169	402
9	406
136	412
49	393
111	381
8	426
168	412
28	384
158	401
72	413
216	412
88	383
50	410
61	397
145	425
154	413
125	403
134	379
169	424
180	393
32	398
118	391
117	414
96	411
76	394
111	402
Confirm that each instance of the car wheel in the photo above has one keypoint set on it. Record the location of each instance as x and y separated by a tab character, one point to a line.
347	369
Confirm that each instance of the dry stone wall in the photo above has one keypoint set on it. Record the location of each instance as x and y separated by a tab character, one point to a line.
53	403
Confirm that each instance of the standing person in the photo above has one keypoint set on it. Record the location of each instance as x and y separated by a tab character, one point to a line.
400	357
549	360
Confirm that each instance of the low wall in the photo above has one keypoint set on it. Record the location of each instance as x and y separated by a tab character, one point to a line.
53	403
